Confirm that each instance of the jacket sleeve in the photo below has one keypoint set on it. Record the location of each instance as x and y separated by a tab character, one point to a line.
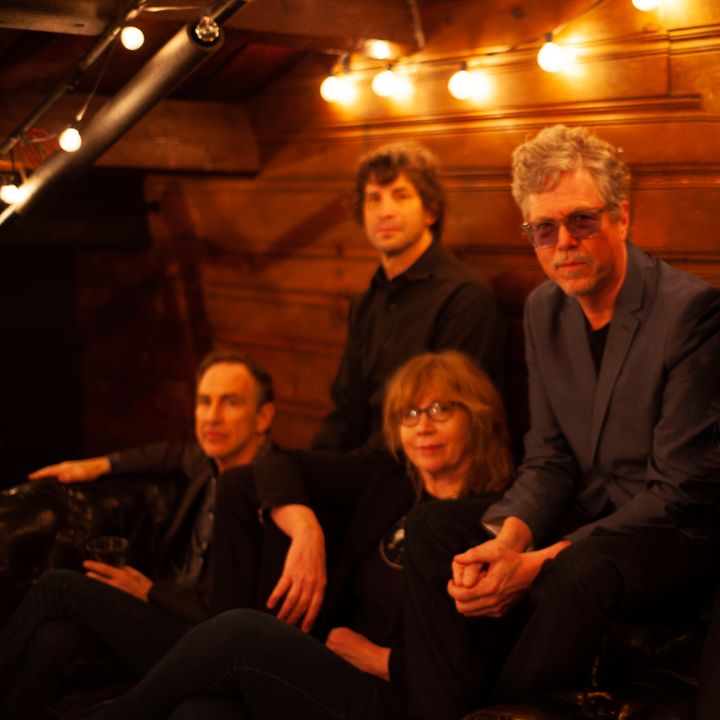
545	483
331	480
183	458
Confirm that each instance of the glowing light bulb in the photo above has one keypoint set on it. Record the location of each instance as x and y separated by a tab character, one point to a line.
132	37
9	193
70	139
390	84
338	89
379	49
551	57
465	85
645	5
384	83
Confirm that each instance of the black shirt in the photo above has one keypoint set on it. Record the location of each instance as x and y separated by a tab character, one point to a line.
435	304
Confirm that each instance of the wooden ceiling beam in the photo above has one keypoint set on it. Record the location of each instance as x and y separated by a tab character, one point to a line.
327	25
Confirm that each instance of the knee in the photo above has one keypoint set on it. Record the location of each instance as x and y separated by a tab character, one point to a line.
241	628
55	589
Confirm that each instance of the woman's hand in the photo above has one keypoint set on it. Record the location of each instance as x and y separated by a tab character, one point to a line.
360	652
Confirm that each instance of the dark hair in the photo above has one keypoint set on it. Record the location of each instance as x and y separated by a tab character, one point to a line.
420	166
459	379
264	384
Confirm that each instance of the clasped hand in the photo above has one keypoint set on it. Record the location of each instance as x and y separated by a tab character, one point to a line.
490	578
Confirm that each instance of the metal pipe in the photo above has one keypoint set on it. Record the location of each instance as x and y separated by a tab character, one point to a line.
170	65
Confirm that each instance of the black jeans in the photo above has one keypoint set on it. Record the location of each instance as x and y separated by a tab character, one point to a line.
708	698
247	665
549	641
68	622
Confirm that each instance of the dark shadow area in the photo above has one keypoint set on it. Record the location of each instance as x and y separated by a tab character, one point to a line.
40	410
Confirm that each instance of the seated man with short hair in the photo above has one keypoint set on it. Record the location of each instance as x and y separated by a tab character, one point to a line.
118	617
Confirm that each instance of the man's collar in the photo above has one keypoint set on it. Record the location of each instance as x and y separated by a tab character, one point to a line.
421	269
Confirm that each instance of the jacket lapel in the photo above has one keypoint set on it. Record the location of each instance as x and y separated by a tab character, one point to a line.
624	325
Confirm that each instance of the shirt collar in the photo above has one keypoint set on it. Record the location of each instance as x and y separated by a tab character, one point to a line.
421	269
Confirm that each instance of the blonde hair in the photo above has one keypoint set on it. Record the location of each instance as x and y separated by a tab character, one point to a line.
458	379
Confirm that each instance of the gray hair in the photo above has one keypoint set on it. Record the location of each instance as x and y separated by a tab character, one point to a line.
538	163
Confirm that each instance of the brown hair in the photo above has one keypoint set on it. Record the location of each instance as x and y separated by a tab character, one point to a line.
420	166
456	378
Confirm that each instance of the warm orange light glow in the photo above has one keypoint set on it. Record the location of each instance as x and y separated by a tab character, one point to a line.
338	89
552	57
469	85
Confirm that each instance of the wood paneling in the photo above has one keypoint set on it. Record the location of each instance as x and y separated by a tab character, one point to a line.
269	263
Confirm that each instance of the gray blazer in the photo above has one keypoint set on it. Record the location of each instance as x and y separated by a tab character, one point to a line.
637	448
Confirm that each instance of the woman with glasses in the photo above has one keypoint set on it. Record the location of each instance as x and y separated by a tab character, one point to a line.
445	429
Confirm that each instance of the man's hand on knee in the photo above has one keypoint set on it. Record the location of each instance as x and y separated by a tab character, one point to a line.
126	578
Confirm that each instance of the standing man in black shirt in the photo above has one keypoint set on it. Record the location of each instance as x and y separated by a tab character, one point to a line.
419	299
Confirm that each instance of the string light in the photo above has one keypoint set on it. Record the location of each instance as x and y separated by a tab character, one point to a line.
646	5
468	84
132	37
9	193
379	49
391	84
551	57
339	87
70	139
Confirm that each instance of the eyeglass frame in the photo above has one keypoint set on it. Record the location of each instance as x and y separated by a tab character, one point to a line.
529	228
451	404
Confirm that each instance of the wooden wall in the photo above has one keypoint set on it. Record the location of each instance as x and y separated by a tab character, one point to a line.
268	262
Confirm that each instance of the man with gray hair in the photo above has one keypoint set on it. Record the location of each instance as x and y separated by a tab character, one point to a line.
613	515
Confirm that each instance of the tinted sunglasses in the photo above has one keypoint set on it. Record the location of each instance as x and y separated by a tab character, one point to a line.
580	224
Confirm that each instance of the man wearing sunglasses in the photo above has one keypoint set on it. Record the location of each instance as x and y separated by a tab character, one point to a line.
613	514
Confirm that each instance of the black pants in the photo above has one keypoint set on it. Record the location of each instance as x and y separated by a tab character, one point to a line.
550	640
68	622
247	665
708	698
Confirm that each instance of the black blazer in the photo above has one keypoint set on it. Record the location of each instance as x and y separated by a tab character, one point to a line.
636	449
186	462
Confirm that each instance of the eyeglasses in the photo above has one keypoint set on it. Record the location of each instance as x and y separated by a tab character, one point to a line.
580	224
438	412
